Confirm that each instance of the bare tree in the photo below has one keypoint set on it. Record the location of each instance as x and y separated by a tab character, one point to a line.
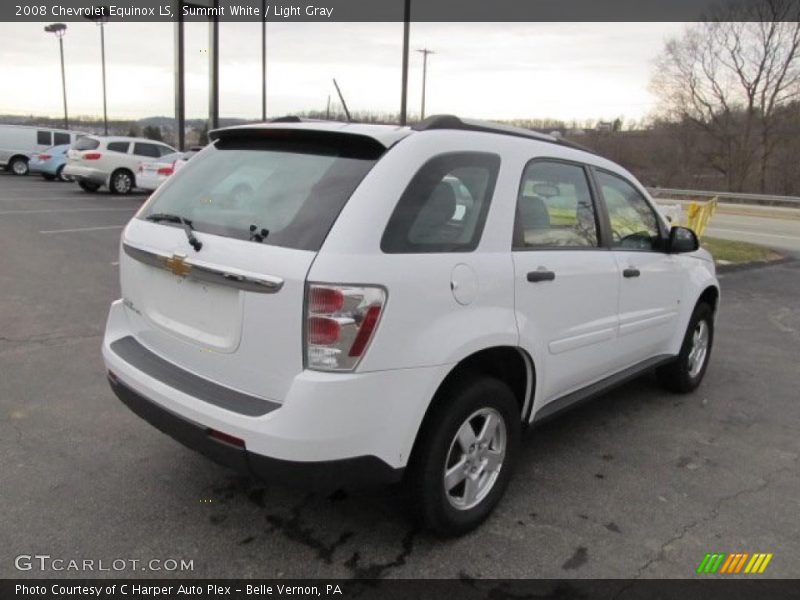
729	76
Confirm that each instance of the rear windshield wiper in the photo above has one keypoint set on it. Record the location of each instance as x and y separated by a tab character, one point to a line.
187	226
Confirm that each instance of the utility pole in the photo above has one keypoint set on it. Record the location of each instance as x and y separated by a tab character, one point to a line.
424	52
59	29
101	19
404	83
263	60
344	104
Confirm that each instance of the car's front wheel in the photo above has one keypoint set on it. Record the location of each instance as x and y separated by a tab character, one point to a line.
685	373
122	182
464	457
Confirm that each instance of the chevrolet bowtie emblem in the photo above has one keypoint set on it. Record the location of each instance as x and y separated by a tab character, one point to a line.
177	264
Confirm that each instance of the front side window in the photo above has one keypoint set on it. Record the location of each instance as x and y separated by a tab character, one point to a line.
444	207
554	208
634	224
118	147
292	186
44	138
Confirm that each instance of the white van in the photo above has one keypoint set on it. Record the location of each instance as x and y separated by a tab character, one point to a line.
18	142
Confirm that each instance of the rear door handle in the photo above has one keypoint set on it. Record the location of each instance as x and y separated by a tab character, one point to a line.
631	272
541	275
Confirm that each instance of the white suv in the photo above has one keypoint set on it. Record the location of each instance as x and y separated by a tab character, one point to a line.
95	161
334	304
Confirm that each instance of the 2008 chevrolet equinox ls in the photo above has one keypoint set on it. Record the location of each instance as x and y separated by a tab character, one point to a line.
333	304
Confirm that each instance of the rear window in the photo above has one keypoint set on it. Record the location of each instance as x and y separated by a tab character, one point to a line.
292	184
86	143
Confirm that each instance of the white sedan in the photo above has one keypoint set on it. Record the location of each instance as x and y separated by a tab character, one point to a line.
151	175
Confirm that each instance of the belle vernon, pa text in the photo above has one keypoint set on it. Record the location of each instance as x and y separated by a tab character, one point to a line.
168	591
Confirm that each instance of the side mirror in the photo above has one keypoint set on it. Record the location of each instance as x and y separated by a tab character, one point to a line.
682	239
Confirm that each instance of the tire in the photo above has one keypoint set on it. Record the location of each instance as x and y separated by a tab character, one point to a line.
60	174
466	404
18	166
48	177
686	372
121	182
88	187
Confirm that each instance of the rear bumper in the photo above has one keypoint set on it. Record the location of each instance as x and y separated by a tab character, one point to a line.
357	471
329	428
79	173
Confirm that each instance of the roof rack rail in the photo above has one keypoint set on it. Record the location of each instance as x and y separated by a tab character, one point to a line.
454	122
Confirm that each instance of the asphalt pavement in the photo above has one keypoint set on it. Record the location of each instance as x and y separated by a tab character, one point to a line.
639	483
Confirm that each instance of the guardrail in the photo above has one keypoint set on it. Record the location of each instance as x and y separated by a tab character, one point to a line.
729	197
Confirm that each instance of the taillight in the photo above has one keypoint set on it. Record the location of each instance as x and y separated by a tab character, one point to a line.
340	323
45	157
91	156
165	171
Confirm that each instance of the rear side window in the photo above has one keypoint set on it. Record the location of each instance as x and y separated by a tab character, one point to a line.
444	207
59	139
292	184
86	143
554	207
151	150
118	147
44	138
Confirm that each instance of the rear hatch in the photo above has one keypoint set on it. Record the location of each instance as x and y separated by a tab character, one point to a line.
260	202
81	146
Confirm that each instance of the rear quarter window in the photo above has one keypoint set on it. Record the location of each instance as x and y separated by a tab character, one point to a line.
444	207
59	139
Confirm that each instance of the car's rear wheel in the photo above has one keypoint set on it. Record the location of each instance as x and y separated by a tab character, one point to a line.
465	454
18	166
121	182
686	372
87	186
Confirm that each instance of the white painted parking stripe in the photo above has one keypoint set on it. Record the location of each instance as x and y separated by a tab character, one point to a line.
35	211
83	229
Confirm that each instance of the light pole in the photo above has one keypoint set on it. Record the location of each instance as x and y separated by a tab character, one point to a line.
59	29
404	74
424	52
101	18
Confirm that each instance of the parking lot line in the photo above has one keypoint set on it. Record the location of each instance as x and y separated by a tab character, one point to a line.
82	229
60	210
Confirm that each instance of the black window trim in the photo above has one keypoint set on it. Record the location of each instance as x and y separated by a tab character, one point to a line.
480	224
662	232
601	216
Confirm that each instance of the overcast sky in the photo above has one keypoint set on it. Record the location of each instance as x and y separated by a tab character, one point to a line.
482	70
